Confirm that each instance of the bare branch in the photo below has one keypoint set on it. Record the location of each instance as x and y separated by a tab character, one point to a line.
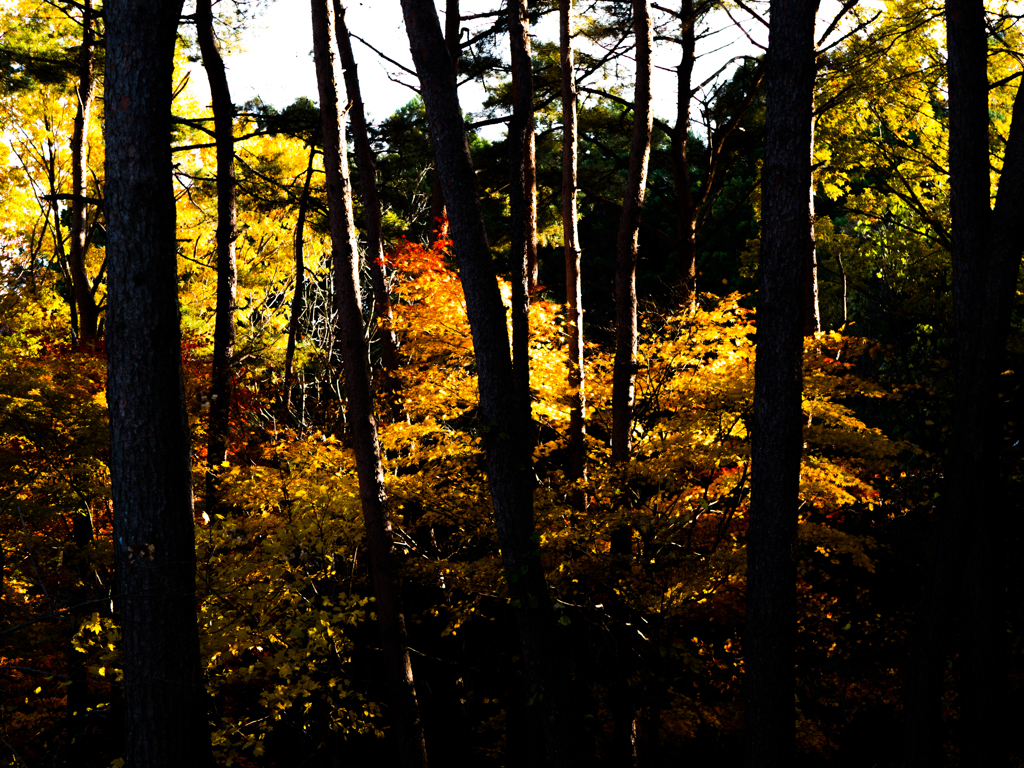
385	57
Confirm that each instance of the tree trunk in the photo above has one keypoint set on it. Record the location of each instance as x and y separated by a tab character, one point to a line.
88	312
299	297
812	310
624	374
222	374
522	189
577	469
452	39
154	542
363	425
77	747
509	466
685	208
371	205
58	241
966	580
786	241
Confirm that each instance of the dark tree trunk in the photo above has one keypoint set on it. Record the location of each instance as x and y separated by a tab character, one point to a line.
222	374
624	374
371	205
154	542
577	469
522	189
452	39
686	210
84	298
58	240
363	425
77	747
786	241
299	297
509	470
966	591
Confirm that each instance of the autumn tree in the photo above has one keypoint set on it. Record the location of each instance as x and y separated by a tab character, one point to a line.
50	68
165	709
373	496
777	438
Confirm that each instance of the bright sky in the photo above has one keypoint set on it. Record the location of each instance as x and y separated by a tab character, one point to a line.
277	63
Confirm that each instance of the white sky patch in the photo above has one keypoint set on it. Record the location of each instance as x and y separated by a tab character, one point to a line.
276	62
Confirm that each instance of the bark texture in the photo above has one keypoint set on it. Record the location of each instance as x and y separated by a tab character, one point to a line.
452	39
786	242
84	295
508	463
361	420
154	544
624	374
577	469
522	201
222	374
966	589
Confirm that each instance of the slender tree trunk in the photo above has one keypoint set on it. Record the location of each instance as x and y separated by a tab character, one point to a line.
966	591
154	541
812	309
452	38
577	469
299	297
842	274
77	748
363	425
786	241
532	267
58	242
222	374
686	210
522	150
88	312
371	204
522	189
509	471
624	374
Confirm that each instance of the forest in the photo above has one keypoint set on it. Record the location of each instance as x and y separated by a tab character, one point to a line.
553	434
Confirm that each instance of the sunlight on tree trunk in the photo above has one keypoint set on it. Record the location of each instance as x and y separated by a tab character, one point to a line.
371	211
577	469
